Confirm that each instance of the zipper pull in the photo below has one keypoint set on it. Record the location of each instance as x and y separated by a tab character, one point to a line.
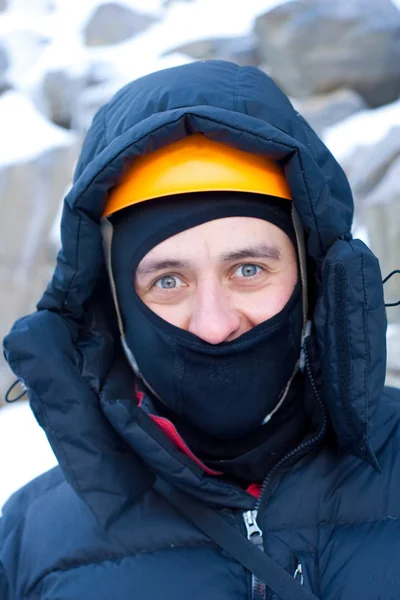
298	574
254	533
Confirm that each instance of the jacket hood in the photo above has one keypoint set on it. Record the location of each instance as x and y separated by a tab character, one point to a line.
65	352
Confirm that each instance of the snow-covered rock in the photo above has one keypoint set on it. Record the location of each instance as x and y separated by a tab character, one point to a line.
24	47
25	133
367	165
36	163
387	191
112	23
187	22
368	147
382	217
365	128
393	347
4	61
324	110
24	449
242	50
316	46
61	90
94	96
88	103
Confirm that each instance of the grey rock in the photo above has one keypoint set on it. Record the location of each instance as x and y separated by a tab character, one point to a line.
316	46
4	64
101	82
89	102
393	355
30	197
5	86
112	23
382	218
324	110
393	379
367	166
4	61
60	91
242	50
3	5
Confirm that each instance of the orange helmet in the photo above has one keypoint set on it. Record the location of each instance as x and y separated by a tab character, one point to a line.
197	164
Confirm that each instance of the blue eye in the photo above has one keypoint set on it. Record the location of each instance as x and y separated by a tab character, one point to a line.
248	270
168	282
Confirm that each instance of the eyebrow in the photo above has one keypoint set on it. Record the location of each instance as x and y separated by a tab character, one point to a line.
152	266
258	251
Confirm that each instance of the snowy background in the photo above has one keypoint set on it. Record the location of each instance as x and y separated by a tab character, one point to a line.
60	60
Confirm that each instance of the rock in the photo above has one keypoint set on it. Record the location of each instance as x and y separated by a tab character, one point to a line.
393	354
5	86
3	5
101	71
57	90
111	23
24	48
366	166
4	62
242	50
381	215
89	102
61	90
363	129
36	164
31	193
324	110
315	46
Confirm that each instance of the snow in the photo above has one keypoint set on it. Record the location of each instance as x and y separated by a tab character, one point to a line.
25	133
181	23
189	21
24	449
42	41
365	128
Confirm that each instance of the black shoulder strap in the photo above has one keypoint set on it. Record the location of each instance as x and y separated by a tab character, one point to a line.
237	546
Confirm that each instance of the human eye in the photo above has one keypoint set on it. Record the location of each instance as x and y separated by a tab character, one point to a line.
168	282
247	271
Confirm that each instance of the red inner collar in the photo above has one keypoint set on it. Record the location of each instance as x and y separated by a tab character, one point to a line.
169	429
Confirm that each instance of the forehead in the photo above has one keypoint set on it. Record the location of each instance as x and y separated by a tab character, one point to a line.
219	241
214	239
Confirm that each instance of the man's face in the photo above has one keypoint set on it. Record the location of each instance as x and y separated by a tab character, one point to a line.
219	279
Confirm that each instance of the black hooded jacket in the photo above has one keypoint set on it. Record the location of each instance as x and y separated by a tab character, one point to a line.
94	528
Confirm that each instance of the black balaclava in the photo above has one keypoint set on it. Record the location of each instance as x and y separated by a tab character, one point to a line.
225	390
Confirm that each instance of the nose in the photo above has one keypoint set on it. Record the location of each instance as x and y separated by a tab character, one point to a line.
213	319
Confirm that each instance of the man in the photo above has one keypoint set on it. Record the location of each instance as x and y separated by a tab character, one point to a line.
207	235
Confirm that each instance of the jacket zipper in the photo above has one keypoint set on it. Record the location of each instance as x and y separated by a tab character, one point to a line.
254	534
303	445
